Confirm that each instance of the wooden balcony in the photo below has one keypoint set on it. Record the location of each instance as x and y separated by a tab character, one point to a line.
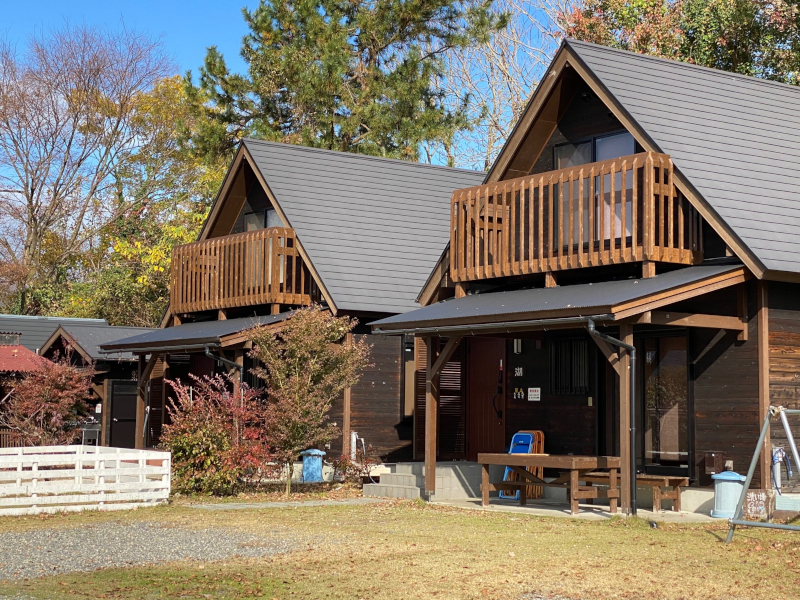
245	269
604	213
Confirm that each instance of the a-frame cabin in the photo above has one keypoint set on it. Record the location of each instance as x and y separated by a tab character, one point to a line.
643	199
292	226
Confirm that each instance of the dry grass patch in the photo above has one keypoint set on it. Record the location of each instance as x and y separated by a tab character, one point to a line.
409	550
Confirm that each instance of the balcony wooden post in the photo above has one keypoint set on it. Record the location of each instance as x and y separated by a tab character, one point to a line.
550	279
431	413
648	269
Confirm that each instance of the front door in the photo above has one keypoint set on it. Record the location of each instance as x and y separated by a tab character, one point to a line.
664	416
123	413
486	358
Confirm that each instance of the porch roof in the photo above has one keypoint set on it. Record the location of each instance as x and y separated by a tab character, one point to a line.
604	301
190	336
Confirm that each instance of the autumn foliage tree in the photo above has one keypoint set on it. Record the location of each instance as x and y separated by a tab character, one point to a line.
306	365
47	407
217	434
760	38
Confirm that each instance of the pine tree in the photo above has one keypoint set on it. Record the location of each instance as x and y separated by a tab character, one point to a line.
357	76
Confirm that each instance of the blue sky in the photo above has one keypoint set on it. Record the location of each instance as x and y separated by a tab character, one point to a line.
186	28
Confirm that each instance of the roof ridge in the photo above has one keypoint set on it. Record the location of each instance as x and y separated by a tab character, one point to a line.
355	155
680	63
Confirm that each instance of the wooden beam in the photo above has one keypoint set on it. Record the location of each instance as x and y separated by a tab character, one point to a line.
222	315
176	320
741	307
611	355
431	414
275	309
648	269
550	279
461	289
446	354
434	282
626	335
654	301
765	460
696	320
144	372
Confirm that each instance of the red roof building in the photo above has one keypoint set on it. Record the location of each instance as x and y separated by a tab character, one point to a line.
18	359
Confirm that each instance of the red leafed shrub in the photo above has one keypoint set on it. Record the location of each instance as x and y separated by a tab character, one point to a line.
216	436
306	366
47	407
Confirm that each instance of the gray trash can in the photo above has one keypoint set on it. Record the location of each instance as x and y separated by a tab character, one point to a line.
727	491
312	465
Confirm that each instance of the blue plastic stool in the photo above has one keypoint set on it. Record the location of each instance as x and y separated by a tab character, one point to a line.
521	443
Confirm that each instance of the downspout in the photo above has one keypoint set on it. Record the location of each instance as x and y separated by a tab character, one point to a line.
632	350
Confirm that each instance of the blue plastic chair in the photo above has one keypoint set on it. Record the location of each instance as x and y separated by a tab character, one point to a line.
521	443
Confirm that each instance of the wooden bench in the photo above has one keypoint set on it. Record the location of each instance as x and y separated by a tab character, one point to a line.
659	483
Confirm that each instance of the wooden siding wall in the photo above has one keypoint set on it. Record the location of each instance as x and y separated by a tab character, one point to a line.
784	361
725	385
585	118
452	402
568	422
376	403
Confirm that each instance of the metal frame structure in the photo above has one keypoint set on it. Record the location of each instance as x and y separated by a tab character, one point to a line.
737	517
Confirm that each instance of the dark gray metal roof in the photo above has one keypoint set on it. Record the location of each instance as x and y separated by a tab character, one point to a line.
585	299
91	338
190	334
734	137
372	227
34	331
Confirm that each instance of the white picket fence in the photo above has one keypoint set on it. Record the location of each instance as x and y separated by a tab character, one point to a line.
50	479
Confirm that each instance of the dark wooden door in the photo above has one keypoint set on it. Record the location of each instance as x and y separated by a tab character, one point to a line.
123	413
485	403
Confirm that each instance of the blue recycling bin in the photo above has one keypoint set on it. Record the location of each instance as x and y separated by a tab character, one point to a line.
727	491
312	465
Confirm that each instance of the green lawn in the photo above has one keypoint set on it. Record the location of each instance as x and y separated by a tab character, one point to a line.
410	550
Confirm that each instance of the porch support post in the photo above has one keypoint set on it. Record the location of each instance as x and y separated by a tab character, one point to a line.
431	413
763	381
625	450
144	371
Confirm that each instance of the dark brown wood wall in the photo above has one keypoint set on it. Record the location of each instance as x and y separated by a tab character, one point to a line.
725	381
376	402
784	362
568	422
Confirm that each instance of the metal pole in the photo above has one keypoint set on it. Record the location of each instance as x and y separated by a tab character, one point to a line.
789	436
740	506
632	351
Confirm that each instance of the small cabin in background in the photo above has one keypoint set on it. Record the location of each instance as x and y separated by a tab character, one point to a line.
294	226
646	199
113	400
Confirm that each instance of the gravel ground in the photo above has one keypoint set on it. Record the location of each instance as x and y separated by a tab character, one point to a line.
37	553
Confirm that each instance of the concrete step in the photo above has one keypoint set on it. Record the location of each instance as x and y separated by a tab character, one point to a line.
402	479
444	469
382	490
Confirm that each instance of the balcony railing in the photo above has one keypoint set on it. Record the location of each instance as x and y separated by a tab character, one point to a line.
616	211
244	269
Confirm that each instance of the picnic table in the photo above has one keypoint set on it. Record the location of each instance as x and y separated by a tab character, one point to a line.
572	471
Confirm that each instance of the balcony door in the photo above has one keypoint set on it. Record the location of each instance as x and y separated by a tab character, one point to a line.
597	150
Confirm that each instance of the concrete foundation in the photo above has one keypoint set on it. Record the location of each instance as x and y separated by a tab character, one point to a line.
461	480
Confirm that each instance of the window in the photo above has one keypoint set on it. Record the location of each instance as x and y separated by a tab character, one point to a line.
253	221
614	146
273	220
569	367
572	155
